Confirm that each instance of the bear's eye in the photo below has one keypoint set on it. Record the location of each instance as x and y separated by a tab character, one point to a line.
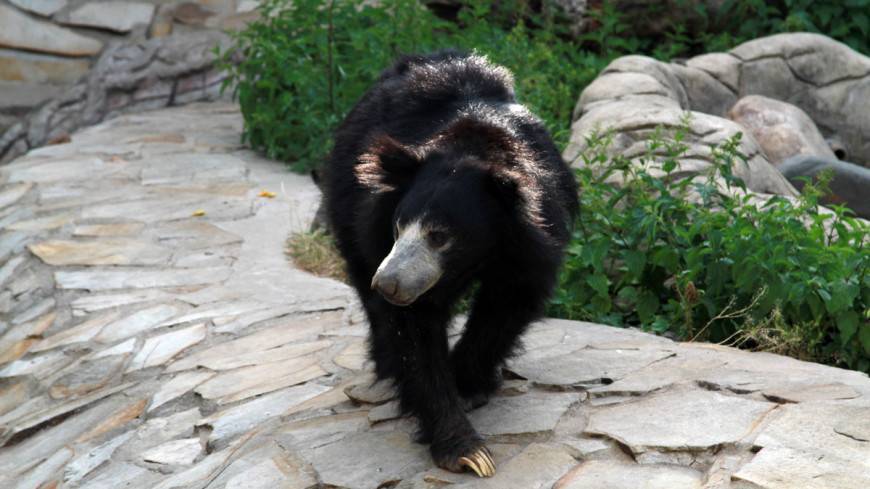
437	239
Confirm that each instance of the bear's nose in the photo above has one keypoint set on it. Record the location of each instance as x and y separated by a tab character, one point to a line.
387	284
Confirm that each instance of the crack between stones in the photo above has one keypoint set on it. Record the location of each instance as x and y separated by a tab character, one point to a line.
853	437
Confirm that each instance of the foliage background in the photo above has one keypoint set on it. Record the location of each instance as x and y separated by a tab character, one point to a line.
782	277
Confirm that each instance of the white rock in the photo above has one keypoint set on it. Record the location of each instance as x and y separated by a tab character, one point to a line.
178	386
600	474
85	463
136	323
175	452
42	7
22	32
159	349
114	16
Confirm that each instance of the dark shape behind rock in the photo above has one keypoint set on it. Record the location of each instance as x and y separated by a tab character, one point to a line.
850	184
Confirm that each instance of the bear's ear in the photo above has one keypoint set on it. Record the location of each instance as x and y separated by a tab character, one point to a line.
518	192
386	164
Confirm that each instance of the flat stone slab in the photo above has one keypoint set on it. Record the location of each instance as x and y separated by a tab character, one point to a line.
144	347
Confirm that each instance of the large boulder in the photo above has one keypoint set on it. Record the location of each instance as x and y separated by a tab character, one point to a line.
781	129
849	185
635	94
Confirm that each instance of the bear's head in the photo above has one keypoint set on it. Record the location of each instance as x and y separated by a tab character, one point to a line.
462	196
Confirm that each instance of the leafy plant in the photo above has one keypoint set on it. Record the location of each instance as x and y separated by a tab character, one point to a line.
306	62
685	256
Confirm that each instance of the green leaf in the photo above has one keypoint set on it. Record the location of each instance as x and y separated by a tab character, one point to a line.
864	337
847	323
647	306
599	283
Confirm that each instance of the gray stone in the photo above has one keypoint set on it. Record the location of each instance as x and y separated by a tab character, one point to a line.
31	68
849	183
139	321
42	7
783	468
107	251
269	466
678	420
114	16
85	463
537	466
236	420
585	366
158	350
42	473
390	456
13	194
175	452
722	66
88	376
178	386
100	302
599	474
242	383
142	278
807	427
532	415
706	93
17	30
782	130
370	392
224	355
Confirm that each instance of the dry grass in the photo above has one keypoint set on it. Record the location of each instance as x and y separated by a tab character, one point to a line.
315	252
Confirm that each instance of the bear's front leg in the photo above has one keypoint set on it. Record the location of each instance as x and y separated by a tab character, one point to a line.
500	314
409	345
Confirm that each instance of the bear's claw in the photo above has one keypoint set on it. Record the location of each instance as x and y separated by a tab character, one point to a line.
480	462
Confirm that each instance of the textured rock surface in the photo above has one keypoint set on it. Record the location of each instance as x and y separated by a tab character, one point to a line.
824	78
18	30
150	348
782	130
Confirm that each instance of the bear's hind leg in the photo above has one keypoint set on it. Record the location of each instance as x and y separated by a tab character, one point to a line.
499	315
410	346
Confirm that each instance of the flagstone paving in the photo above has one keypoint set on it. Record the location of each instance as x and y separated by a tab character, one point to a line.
154	335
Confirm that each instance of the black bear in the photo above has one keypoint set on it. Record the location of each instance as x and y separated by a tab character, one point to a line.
439	179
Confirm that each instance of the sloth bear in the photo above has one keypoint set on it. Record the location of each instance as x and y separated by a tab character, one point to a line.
439	180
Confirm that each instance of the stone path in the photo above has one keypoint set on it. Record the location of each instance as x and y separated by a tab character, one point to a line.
153	335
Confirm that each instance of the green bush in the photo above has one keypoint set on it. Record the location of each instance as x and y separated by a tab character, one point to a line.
781	276
307	62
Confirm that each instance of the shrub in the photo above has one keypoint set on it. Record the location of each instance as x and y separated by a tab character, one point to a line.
306	62
717	266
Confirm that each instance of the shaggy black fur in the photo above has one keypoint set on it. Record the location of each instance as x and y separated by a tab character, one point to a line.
442	136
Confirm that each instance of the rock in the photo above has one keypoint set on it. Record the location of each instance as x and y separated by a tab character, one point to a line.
106	230
783	468
85	463
45	8
678	420
533	415
224	355
538	465
190	13
13	193
390	456
239	419
31	68
268	467
41	475
108	251
87	377
809	393
114	16
251	381
123	348
722	66
807	427
158	350
96	279
782	130
178	386
353	357
22	32
600	474
370	392
175	452
135	323
99	302
849	186
385	412
586	366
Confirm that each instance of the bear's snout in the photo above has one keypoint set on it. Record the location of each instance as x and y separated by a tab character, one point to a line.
411	269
